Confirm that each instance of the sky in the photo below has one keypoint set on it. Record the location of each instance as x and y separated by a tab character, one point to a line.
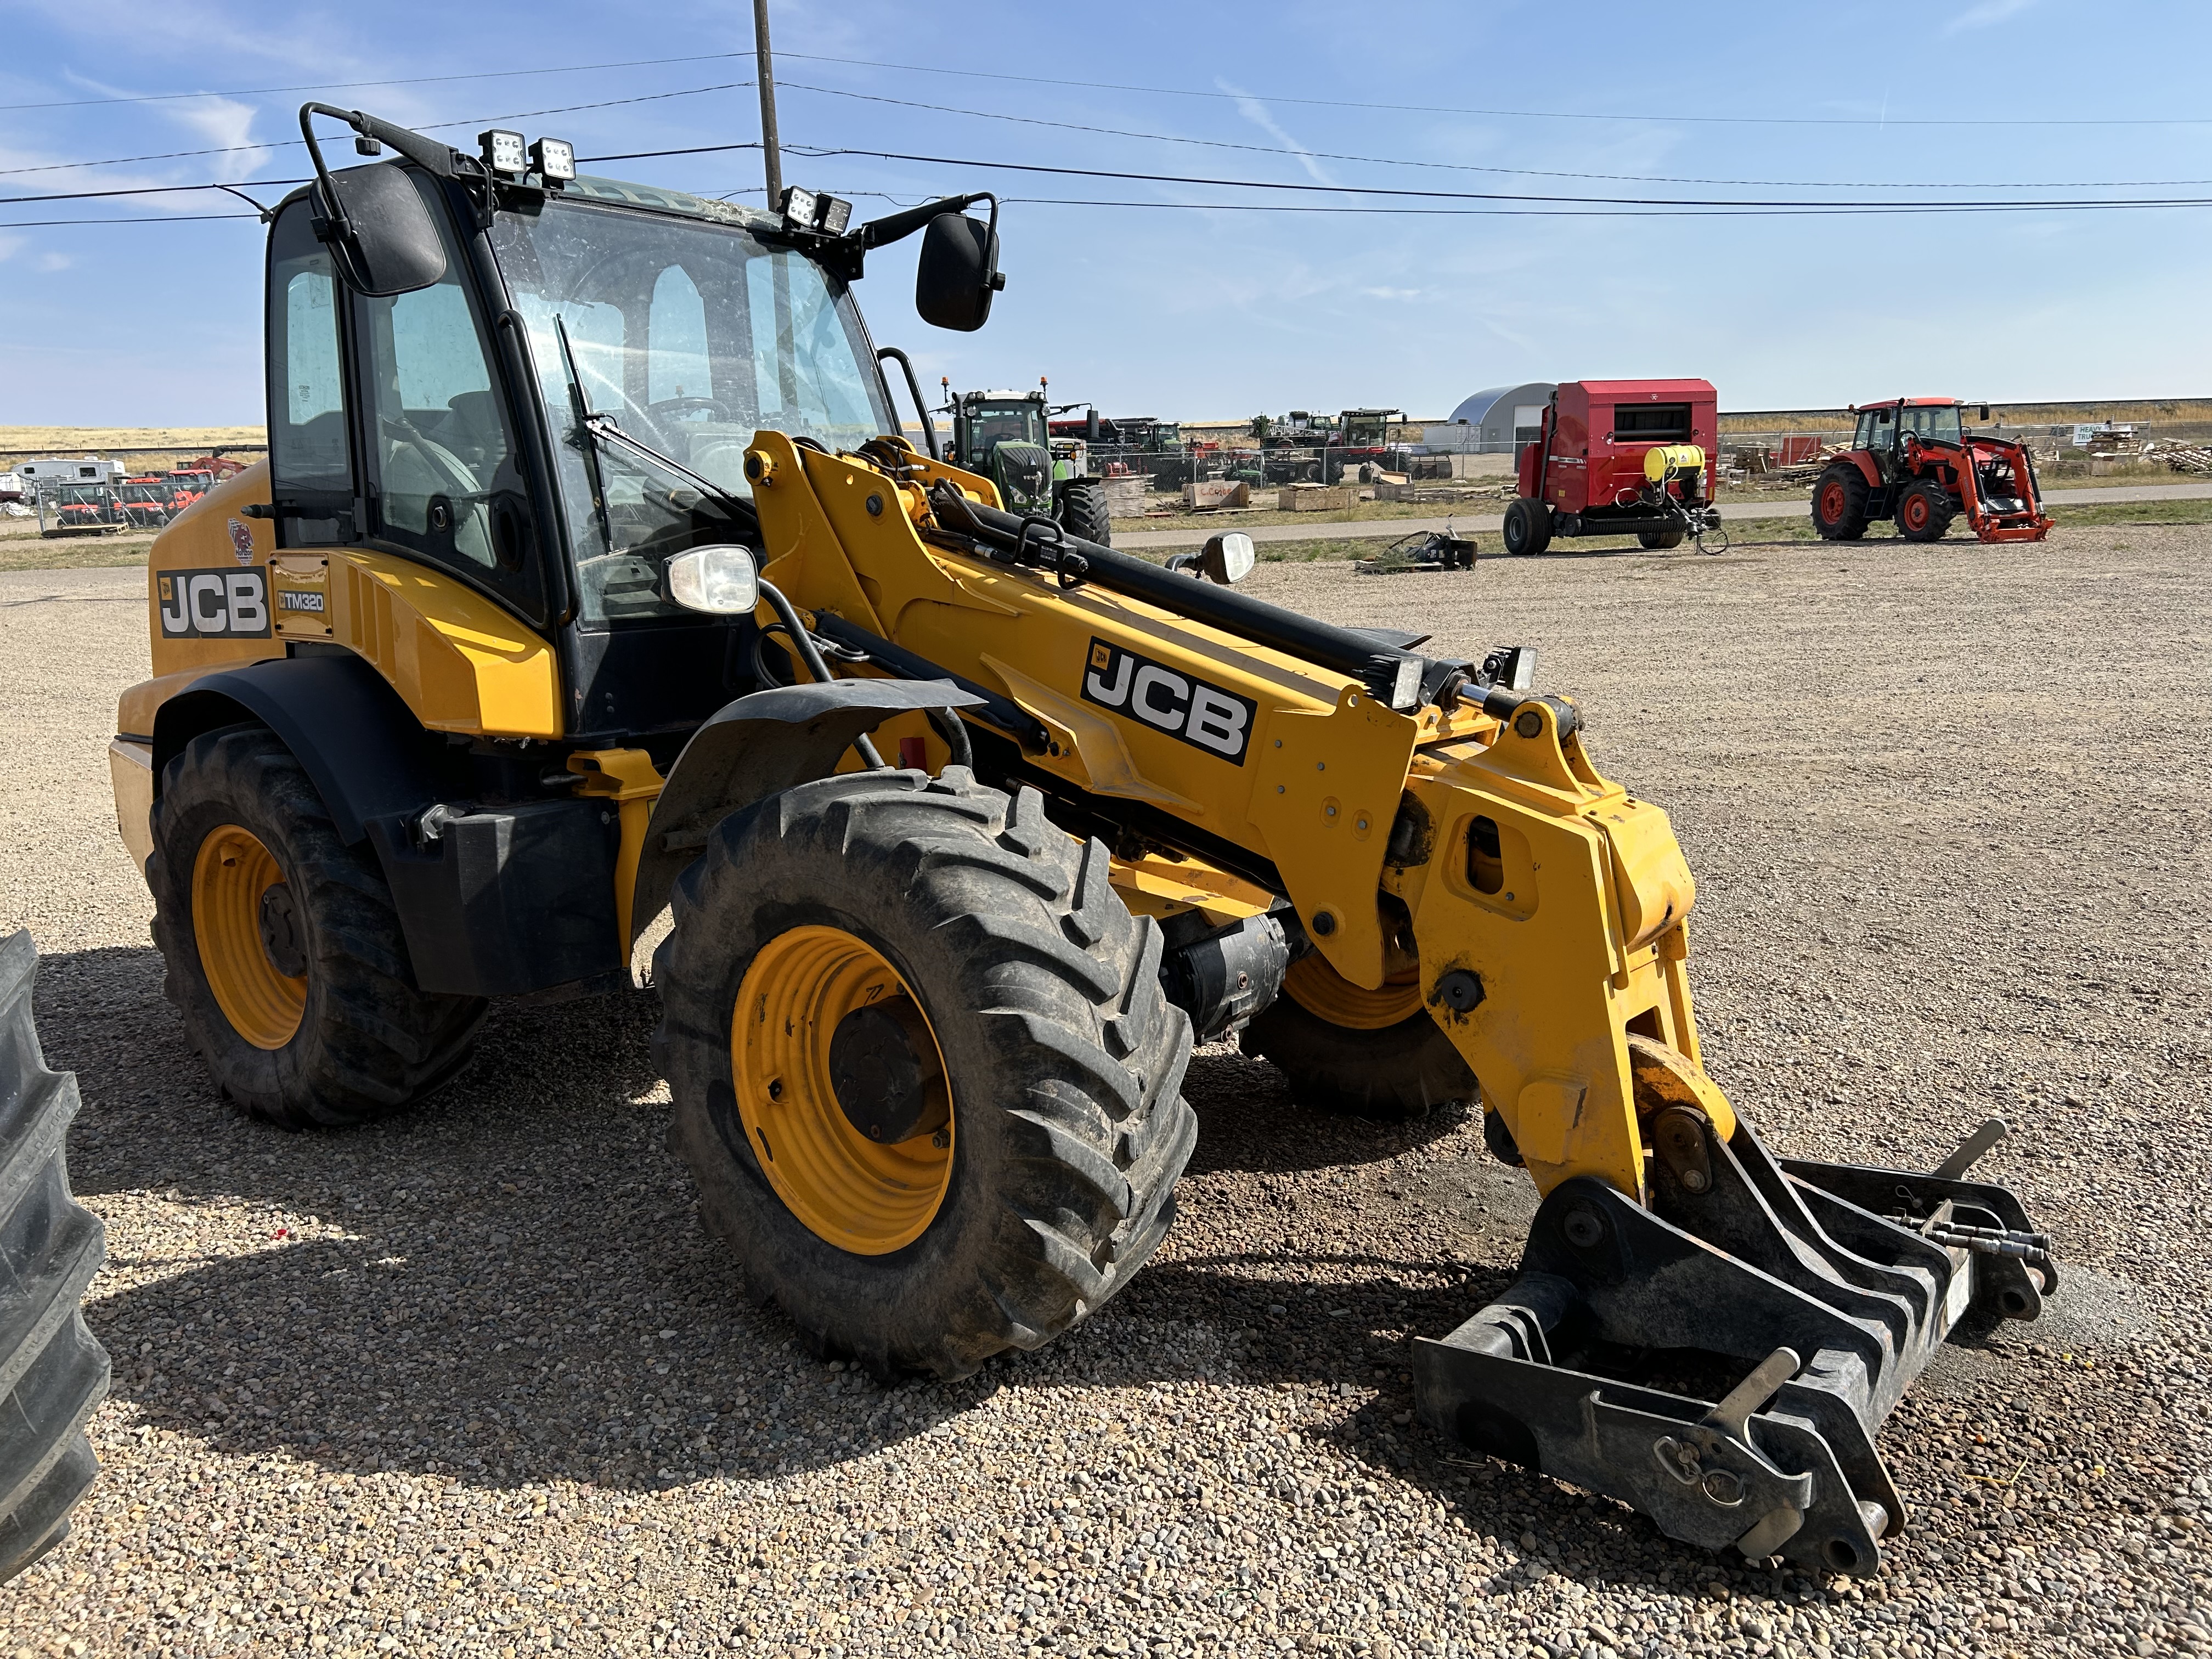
1191	303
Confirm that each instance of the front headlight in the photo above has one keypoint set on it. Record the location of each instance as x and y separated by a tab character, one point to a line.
719	580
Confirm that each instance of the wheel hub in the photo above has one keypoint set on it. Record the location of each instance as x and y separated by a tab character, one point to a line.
251	936
883	1067
280	932
842	1090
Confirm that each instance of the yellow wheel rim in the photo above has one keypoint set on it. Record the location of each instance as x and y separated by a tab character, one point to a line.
861	1195
1320	990
232	873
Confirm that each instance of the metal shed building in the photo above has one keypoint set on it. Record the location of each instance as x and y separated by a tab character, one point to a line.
1491	422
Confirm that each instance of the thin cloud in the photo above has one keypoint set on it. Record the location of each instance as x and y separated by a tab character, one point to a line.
1259	115
1987	13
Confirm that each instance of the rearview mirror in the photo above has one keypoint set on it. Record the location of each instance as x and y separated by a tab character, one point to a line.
1228	558
719	580
958	272
382	235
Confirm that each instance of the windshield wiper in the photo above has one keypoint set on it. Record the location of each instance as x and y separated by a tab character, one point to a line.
606	430
594	428
580	407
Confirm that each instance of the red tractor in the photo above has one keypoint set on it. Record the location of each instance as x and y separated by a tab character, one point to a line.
1910	460
1617	458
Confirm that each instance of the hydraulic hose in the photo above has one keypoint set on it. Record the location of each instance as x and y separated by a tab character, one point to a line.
803	642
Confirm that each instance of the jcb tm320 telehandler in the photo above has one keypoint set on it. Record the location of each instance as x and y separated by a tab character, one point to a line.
584	580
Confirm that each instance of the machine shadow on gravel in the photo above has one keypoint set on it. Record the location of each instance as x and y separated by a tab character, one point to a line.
1244	1105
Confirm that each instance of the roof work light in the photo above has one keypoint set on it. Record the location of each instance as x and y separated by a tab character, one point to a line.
504	152
553	160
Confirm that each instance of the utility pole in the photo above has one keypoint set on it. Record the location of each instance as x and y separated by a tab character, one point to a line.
771	153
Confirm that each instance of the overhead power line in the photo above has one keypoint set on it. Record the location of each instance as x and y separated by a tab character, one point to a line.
1491	201
1173	138
1669	116
427	127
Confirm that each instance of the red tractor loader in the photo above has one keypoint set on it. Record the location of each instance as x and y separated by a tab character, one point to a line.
1911	461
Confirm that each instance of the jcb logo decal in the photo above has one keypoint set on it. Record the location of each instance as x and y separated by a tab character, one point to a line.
214	604
1205	716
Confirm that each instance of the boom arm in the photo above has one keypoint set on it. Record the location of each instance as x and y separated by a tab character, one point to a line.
1225	727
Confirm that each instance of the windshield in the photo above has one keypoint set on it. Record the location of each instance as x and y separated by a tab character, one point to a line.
1009	424
692	336
1937	421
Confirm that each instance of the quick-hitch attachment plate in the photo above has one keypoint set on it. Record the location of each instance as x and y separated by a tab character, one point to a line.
1807	1295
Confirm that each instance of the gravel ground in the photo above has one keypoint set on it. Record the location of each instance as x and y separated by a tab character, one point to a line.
474	1381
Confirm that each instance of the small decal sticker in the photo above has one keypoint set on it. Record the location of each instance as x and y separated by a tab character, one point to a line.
214	605
241	542
1205	716
292	599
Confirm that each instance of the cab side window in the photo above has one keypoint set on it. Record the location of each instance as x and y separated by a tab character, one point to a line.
437	433
310	467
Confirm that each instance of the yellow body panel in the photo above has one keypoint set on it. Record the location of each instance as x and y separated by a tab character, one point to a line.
214	534
459	661
462	663
628	777
130	769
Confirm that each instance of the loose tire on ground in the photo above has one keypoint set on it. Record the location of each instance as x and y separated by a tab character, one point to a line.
1082	512
57	1372
1839	503
1357	1053
1527	526
1659	540
1041	995
1924	512
283	950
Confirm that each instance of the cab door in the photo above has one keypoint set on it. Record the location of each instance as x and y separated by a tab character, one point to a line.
439	448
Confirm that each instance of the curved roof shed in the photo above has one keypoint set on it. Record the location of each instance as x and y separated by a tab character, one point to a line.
1503	414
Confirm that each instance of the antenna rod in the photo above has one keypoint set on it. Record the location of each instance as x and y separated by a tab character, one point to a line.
771	153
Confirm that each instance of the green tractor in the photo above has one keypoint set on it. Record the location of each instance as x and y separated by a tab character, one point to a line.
1004	436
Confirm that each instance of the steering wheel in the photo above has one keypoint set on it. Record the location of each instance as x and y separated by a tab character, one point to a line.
676	406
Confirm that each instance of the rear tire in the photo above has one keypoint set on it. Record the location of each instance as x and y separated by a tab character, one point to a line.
1839	503
1389	1067
1659	540
1924	511
1083	512
347	1037
1063	1062
1527	526
52	1246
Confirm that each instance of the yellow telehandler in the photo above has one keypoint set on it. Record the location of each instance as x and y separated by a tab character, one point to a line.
587	581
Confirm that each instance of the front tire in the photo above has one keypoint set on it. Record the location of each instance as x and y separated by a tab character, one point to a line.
1083	512
1527	526
1659	540
1050	1066
284	948
1924	512
1356	1052
1839	504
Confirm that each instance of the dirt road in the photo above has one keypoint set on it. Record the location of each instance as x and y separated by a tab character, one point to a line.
1781	506
474	1381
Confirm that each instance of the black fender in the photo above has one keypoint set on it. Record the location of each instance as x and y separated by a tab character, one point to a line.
362	746
500	901
761	745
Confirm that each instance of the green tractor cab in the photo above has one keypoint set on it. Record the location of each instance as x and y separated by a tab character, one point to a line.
1005	436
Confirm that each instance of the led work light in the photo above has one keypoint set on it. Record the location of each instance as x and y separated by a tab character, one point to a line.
806	209
503	152
553	160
